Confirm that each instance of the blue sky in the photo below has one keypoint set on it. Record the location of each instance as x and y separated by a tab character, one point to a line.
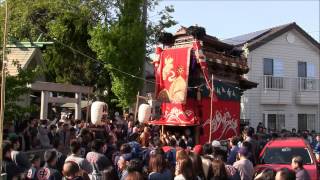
225	19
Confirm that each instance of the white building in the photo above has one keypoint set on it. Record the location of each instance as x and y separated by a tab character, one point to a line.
285	61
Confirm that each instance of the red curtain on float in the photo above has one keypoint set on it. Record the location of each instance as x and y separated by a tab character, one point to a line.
225	120
172	72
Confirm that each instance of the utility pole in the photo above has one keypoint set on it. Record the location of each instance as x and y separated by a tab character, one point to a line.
3	79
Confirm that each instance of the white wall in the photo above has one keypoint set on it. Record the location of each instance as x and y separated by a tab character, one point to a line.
290	54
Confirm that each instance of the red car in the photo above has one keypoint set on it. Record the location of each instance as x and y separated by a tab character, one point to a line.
278	154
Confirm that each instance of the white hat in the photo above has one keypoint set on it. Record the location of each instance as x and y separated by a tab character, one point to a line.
215	143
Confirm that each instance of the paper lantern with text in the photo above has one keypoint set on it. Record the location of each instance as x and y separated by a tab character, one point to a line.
144	113
98	109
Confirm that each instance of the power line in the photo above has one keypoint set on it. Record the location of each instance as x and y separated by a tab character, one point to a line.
108	65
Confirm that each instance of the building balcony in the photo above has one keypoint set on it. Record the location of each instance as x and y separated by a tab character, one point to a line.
308	91
275	90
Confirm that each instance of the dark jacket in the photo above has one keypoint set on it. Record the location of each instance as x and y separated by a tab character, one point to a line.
302	174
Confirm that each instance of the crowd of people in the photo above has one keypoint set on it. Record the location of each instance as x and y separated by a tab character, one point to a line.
124	150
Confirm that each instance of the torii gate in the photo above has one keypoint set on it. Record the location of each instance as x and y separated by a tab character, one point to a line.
46	87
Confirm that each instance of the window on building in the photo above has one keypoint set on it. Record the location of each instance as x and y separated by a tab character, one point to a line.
302	69
273	73
306	122
306	74
268	66
276	122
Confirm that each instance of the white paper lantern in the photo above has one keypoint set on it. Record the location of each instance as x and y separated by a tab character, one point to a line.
98	109
144	113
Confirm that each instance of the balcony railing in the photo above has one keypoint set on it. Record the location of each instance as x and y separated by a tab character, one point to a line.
276	83
308	84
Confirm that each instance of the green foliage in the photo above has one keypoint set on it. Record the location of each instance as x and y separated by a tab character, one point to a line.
113	31
16	89
121	46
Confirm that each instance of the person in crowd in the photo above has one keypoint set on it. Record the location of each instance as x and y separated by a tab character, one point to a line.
85	138
157	167
73	134
18	157
297	166
266	174
96	157
218	170
232	172
197	165
145	136
43	134
61	157
170	152
244	165
110	174
206	159
197	149
35	166
122	165
75	157
317	147
233	143
216	144
8	166
33	133
52	134
184	170
49	171
285	174
64	135
135	165
260	127
72	171
130	128
248	137
134	176
250	155
293	132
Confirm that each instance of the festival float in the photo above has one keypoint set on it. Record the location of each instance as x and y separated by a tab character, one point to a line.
199	83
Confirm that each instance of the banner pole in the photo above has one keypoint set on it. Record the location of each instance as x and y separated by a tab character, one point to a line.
3	80
211	101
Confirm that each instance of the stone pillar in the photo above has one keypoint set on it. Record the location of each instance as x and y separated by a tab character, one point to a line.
44	105
78	106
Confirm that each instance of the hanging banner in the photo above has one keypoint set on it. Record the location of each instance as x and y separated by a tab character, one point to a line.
172	86
173	80
226	113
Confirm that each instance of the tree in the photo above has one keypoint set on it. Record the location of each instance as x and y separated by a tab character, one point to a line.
113	31
15	89
121	48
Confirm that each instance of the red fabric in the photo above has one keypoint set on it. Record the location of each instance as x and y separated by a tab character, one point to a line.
197	149
172	75
226	120
166	149
201	59
178	114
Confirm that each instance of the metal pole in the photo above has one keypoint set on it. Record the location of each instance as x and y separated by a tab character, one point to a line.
3	80
136	109
211	106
